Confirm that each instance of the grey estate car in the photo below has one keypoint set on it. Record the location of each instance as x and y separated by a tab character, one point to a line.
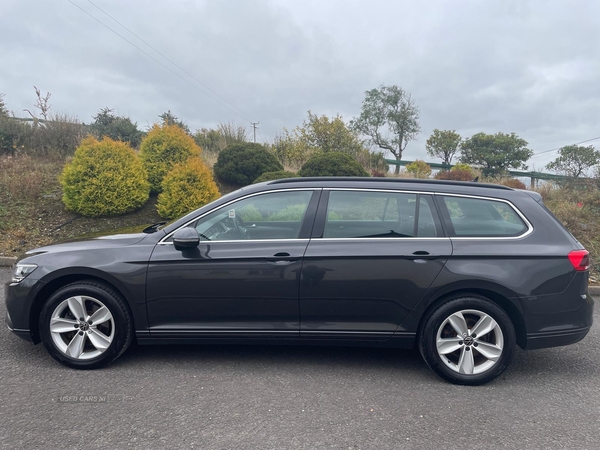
462	271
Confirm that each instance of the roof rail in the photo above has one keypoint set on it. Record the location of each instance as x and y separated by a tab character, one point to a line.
392	180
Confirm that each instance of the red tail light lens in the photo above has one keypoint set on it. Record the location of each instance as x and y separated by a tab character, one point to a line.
580	259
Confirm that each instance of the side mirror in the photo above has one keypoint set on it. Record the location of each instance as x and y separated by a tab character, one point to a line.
186	238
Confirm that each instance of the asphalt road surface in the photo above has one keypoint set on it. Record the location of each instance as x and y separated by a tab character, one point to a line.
280	397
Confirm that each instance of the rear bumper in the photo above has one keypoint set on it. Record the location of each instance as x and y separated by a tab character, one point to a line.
555	338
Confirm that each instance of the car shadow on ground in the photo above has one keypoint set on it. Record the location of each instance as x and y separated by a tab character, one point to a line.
528	366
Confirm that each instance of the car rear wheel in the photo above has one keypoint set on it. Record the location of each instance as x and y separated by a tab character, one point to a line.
85	325
467	340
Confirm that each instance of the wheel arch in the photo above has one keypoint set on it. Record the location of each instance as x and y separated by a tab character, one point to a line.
58	281
509	307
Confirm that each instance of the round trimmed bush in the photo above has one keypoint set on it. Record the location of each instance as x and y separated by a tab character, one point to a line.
104	178
164	147
241	164
187	187
279	175
332	164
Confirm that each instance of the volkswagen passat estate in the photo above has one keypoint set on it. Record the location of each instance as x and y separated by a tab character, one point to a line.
462	271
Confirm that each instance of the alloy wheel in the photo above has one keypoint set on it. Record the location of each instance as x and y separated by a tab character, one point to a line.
82	327
469	342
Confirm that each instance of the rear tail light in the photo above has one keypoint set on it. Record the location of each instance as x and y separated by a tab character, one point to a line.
580	259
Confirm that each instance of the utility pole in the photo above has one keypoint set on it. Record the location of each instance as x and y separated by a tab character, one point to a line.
254	126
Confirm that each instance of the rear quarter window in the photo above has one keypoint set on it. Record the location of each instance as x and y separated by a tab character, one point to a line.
475	217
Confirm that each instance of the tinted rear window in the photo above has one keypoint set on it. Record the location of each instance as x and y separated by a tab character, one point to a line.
474	217
368	214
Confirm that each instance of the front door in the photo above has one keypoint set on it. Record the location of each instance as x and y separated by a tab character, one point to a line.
242	280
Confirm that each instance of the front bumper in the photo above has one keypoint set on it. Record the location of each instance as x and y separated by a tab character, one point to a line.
19	300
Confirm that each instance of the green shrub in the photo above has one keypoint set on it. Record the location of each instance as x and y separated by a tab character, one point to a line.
456	175
419	169
279	175
187	187
104	178
241	164
462	166
163	148
332	164
514	183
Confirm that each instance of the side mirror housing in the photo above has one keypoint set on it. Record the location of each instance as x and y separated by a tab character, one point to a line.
186	238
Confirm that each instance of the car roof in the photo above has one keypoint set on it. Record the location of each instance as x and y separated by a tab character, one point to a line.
409	184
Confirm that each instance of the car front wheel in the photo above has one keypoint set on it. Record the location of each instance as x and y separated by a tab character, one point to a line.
467	340
85	325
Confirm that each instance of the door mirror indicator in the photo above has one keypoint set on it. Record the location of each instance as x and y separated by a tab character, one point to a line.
186	238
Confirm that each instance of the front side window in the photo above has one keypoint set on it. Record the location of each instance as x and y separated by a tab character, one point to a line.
277	215
473	217
370	214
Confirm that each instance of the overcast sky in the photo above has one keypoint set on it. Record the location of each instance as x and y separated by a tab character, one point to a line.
529	67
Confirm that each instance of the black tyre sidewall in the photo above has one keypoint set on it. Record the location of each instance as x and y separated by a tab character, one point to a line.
428	335
122	335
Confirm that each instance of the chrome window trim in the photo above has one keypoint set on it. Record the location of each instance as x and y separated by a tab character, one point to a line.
461	238
396	191
245	241
494	199
162	241
367	239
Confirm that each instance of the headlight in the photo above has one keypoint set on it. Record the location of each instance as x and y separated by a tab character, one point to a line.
21	271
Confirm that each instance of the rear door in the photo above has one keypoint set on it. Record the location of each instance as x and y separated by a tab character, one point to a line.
372	256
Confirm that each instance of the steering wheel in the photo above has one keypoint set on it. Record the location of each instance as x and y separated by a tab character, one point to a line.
240	227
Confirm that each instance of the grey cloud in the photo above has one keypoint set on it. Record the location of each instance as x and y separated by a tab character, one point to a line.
525	66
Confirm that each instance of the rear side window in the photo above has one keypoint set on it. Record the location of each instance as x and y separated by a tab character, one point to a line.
474	217
368	214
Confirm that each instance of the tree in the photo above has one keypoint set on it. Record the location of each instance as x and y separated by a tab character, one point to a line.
575	160
496	153
318	134
168	118
215	140
443	144
118	128
330	135
3	109
42	103
390	119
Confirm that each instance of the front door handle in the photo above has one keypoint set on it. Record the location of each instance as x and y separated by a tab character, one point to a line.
282	258
421	253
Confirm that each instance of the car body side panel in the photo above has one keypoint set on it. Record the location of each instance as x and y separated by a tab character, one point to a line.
365	286
127	275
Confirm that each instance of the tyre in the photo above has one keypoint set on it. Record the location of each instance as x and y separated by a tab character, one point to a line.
85	325
467	340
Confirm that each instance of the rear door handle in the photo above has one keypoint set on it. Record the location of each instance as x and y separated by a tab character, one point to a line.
421	253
